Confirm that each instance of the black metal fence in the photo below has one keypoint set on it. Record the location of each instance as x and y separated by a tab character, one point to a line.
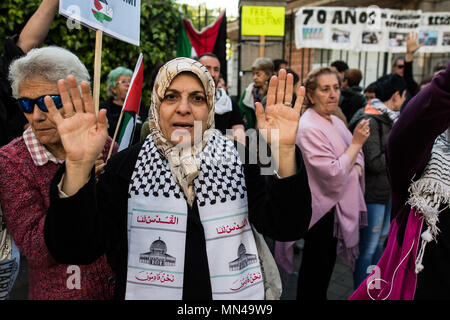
373	65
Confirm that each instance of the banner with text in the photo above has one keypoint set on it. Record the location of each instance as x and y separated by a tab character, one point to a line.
263	21
117	18
370	29
434	32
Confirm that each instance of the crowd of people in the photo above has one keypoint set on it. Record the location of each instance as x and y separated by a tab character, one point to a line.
187	211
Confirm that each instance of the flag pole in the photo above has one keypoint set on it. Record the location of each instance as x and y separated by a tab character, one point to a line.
111	147
97	77
97	68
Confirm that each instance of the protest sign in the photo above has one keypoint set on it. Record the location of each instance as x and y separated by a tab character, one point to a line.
370	29
117	18
263	21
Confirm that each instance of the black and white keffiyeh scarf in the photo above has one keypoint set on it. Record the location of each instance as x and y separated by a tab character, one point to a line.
157	222
430	195
181	160
165	182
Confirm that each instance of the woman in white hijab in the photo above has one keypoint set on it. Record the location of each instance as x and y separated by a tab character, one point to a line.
179	214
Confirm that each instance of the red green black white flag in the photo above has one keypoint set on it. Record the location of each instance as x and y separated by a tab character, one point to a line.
102	11
211	39
131	106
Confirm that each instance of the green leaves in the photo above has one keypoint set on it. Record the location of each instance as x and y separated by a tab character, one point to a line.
159	24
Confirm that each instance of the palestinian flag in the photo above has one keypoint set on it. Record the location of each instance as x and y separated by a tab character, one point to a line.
131	106
212	39
102	11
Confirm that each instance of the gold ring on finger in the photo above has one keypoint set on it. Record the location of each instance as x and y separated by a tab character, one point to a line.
69	115
287	104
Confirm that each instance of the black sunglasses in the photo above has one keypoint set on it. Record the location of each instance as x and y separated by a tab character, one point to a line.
27	104
400	66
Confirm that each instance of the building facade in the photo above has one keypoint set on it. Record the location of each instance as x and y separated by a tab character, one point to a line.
372	64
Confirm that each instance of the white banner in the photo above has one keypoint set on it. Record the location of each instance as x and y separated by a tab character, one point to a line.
370	29
434	32
117	18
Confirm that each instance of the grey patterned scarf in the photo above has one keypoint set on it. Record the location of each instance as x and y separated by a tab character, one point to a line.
430	195
380	106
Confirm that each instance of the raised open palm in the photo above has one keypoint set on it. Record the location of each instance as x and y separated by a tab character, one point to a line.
412	43
83	133
279	115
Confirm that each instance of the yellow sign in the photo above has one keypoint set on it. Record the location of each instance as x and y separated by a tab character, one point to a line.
263	21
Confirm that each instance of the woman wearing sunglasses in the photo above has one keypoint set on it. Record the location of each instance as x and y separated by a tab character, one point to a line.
27	166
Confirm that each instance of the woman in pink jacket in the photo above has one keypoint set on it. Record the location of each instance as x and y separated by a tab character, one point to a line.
335	165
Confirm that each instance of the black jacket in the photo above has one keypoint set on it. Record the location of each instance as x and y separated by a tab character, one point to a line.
227	120
81	228
411	84
377	183
12	120
352	100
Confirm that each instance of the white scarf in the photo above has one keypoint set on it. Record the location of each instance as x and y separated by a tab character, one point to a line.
248	97
222	102
430	195
380	106
157	221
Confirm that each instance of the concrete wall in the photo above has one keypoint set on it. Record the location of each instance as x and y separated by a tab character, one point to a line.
434	5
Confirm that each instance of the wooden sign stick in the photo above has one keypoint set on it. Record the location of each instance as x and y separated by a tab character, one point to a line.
115	136
262	42
97	68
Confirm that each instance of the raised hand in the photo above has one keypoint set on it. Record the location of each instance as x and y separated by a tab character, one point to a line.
412	45
280	119
279	115
83	133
